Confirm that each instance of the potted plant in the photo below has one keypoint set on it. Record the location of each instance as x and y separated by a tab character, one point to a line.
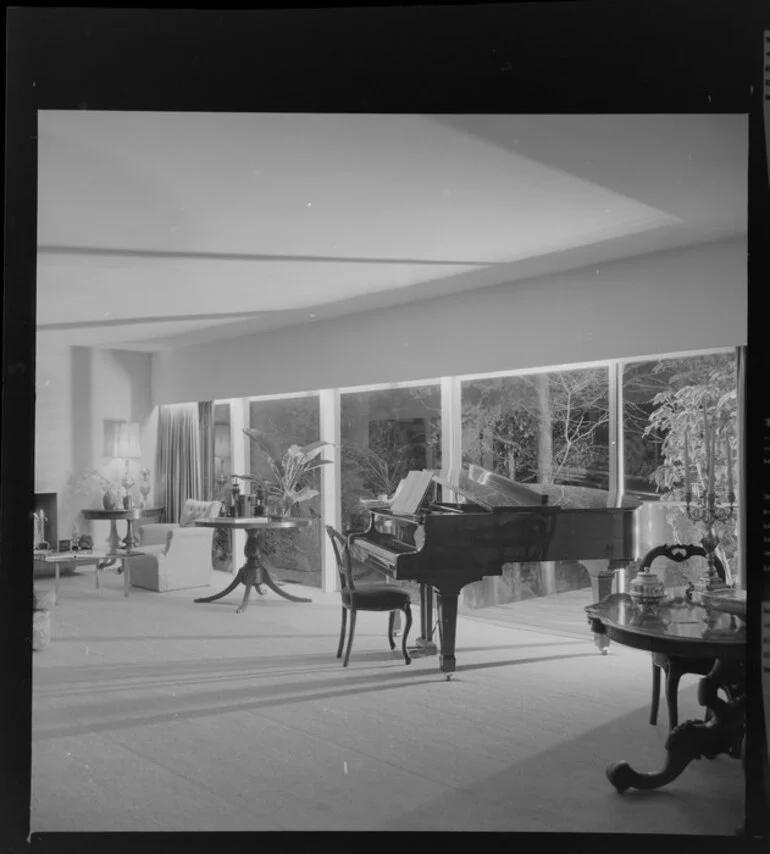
703	407
291	472
290	485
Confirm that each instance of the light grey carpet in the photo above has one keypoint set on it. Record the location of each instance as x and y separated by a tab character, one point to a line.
154	713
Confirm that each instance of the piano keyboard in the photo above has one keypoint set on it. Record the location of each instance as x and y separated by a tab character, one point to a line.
381	553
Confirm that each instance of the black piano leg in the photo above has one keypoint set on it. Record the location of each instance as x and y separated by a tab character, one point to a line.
447	608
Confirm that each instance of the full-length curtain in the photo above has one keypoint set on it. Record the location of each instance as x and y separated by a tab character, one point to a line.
178	463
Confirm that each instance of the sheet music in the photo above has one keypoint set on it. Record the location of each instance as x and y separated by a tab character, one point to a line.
413	490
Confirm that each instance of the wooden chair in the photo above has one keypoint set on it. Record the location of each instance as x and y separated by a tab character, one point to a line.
673	666
370	596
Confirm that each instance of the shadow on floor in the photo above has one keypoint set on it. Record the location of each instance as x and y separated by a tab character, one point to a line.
197	704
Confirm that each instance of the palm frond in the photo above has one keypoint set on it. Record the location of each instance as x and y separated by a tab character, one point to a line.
304	494
266	445
316	465
312	450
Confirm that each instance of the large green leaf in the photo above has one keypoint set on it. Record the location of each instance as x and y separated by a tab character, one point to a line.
313	449
316	465
267	446
304	494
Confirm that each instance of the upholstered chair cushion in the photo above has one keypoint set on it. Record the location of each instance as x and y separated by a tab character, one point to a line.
376	597
194	510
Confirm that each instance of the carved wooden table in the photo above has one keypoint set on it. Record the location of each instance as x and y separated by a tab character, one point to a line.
254	572
129	516
677	627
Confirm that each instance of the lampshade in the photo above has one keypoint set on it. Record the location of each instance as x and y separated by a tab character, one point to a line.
121	439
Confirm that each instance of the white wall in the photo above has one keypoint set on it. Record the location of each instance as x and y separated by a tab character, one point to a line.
78	388
679	300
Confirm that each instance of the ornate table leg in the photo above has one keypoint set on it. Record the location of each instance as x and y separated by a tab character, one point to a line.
236	581
722	733
114	539
249	574
252	574
266	579
600	635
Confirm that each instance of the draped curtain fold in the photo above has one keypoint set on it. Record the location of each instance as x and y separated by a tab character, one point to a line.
178	457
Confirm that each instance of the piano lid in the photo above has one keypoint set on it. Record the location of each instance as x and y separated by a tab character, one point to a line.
490	490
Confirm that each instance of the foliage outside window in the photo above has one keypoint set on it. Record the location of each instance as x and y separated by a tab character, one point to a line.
540	428
550	428
676	411
288	422
385	434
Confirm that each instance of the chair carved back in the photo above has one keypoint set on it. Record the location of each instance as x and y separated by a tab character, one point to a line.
342	556
679	553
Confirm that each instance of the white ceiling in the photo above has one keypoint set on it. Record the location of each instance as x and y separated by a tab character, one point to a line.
160	229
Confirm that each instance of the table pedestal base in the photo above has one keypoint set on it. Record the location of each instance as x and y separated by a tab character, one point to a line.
722	731
252	574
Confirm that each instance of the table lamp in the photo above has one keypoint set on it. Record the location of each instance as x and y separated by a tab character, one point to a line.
121	441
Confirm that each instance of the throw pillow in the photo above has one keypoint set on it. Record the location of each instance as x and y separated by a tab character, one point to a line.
194	510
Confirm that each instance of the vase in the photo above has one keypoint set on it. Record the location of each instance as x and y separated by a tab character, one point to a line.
108	500
647	589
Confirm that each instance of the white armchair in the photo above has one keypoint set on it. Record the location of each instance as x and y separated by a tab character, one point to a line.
176	556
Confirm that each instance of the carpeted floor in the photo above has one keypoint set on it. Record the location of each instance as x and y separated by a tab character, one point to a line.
153	713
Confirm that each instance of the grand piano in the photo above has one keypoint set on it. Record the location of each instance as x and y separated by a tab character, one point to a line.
445	545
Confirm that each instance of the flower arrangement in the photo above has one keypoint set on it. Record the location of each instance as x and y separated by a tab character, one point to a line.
91	480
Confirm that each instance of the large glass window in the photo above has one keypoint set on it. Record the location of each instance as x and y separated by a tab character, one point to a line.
385	433
549	428
287	422
662	402
540	428
223	455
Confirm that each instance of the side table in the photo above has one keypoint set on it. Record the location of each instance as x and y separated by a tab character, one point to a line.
677	627
64	559
254	572
129	516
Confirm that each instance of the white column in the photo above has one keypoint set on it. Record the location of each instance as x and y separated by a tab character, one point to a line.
239	443
451	427
329	402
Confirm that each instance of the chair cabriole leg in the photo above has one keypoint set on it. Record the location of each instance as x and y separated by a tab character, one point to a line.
350	637
342	632
407	627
